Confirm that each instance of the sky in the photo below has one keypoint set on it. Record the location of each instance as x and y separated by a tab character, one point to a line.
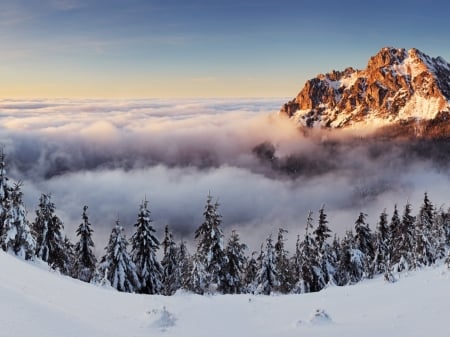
214	48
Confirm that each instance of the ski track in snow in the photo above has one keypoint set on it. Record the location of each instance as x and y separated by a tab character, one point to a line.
36	302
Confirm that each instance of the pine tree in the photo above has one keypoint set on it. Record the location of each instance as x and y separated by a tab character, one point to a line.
48	230
210	249
425	240
441	231
363	243
282	263
183	266
5	191
325	259
322	232
198	276
69	255
403	241
143	249
170	280
116	265
84	258
268	277
16	237
352	261
381	259
251	272
235	265
308	274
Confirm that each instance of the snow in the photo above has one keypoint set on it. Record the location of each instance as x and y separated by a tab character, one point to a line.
420	107
36	302
346	81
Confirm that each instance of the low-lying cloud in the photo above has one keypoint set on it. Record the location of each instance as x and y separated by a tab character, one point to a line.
110	154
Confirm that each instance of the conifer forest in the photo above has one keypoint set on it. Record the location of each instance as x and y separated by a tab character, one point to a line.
400	241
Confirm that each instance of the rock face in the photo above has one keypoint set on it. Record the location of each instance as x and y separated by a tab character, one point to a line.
398	85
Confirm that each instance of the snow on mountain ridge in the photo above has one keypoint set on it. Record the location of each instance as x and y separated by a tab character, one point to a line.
396	85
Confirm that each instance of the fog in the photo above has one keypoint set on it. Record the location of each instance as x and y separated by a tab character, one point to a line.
264	172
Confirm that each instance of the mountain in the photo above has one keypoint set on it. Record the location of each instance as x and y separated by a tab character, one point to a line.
398	86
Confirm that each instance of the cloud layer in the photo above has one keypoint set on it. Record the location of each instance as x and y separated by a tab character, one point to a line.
265	173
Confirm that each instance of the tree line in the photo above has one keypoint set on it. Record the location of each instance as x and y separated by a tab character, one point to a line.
399	243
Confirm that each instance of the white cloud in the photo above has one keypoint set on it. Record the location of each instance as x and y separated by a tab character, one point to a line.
110	154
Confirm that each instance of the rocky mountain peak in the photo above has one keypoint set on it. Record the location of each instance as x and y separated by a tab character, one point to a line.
397	85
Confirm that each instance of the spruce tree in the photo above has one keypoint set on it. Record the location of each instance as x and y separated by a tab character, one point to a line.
116	265
183	266
364	243
441	231
403	241
268	276
354	261
16	237
84	258
251	272
325	260
143	249
48	231
235	265
308	274
426	239
282	263
381	259
322	232
5	191
210	248
198	276
170	280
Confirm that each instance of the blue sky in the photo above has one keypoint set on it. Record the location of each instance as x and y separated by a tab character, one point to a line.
137	48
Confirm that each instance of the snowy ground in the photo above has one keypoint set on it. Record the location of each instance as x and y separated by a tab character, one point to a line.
35	302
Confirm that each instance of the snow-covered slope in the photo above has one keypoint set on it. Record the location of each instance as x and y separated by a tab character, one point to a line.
397	85
35	302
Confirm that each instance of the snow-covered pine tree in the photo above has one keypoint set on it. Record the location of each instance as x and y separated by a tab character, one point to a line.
322	232
69	252
144	245
48	231
380	264
447	260
325	259
344	265
364	243
236	262
425	240
116	265
308	274
282	263
170	280
16	237
198	276
441	231
183	266
210	247
84	259
403	241
250	274
4	193
268	277
352	261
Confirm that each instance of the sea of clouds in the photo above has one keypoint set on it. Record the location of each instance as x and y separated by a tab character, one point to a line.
264	172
